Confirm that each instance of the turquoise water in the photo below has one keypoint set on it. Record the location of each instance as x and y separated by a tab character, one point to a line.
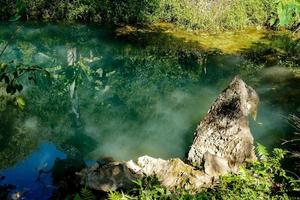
127	96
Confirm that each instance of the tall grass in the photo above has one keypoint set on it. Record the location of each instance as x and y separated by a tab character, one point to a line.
192	14
216	15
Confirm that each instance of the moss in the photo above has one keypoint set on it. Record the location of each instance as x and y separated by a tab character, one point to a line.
228	42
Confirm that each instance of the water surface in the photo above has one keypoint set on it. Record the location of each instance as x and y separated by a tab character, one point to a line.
127	96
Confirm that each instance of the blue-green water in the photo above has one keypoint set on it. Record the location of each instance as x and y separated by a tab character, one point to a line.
127	96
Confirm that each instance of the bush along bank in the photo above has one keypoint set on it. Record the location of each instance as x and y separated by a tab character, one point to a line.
203	14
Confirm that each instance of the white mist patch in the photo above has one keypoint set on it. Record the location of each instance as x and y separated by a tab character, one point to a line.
270	125
41	58
174	118
276	74
31	123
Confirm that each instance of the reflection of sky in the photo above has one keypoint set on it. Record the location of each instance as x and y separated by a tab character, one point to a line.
25	173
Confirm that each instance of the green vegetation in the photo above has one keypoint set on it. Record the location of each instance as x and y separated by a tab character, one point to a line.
262	179
287	14
204	14
10	75
212	15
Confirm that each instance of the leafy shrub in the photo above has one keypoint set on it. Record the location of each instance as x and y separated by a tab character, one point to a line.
204	14
263	179
214	15
7	9
287	14
130	11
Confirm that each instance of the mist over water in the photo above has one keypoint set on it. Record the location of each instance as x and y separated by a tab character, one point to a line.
164	134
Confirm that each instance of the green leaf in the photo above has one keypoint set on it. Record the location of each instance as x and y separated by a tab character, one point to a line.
86	194
262	151
20	102
272	21
3	67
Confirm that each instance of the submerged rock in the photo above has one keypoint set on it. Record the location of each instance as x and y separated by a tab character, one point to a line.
223	140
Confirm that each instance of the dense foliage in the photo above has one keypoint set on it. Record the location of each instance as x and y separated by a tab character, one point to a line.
204	14
287	14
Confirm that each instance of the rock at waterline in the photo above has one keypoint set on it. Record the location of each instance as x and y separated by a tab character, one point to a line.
223	140
222	143
173	174
110	176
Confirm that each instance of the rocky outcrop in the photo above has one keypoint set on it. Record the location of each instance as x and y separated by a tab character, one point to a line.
222	143
172	174
223	140
110	176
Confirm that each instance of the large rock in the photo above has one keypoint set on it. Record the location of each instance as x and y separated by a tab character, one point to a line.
110	176
172	174
223	140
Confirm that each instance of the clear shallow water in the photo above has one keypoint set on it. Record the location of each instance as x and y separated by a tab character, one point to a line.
127	96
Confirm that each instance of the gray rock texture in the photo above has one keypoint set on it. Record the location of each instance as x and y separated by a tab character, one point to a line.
223	141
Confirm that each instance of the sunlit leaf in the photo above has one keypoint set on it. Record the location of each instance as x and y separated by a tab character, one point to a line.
20	102
272	21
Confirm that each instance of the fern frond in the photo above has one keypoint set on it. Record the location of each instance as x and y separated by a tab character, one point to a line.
262	151
86	194
119	196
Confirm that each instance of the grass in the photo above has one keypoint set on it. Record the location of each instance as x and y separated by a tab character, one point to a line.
203	14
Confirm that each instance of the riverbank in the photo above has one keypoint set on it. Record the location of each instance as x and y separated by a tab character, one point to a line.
226	42
204	15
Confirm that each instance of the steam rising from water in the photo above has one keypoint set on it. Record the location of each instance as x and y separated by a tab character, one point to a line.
163	135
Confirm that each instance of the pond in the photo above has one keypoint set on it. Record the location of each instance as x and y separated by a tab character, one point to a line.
127	95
